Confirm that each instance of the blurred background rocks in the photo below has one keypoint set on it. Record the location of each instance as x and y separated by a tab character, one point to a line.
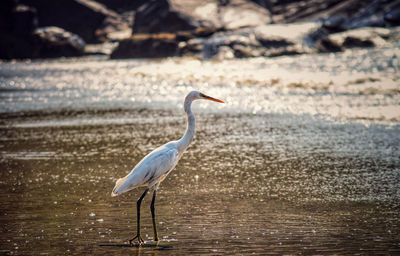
163	28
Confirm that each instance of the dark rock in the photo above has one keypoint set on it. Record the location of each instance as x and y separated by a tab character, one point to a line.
370	16
16	25
13	47
176	15
21	39
284	51
231	39
209	28
151	45
361	37
158	16
392	17
266	40
192	47
286	39
327	45
289	11
337	15
351	42
335	24
274	42
147	46
240	14
48	42
267	4
242	51
15	19
85	18
51	42
7	5
199	32
122	6
7	8
24	20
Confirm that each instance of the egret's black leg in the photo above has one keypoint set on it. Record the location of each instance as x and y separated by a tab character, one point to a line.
139	238
153	215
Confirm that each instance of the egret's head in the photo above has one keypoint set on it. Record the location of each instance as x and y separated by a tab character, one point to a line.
205	97
195	95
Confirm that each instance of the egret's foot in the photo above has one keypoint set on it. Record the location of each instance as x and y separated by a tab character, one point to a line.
138	237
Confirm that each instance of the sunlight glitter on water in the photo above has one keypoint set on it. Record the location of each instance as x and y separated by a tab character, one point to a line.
340	88
249	184
267	173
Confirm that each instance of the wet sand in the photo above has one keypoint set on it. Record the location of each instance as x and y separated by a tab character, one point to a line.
250	184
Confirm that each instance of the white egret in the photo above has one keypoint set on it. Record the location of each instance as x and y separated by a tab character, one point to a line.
154	167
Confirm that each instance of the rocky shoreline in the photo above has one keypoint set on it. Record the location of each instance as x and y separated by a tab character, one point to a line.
204	29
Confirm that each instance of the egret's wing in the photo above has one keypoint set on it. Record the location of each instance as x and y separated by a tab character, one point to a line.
155	166
161	163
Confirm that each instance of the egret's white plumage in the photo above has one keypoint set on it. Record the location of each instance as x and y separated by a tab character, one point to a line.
150	170
154	167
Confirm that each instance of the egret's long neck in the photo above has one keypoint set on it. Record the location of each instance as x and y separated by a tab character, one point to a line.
184	142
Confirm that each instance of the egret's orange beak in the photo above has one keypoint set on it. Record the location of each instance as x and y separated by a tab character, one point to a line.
211	98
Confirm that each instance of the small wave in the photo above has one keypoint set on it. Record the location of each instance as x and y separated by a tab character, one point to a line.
25	155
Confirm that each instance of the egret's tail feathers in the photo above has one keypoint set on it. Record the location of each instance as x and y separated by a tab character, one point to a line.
117	191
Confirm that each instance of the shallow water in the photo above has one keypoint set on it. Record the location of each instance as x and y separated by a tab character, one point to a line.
361	85
305	168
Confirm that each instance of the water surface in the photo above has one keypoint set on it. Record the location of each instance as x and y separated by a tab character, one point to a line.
303	159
